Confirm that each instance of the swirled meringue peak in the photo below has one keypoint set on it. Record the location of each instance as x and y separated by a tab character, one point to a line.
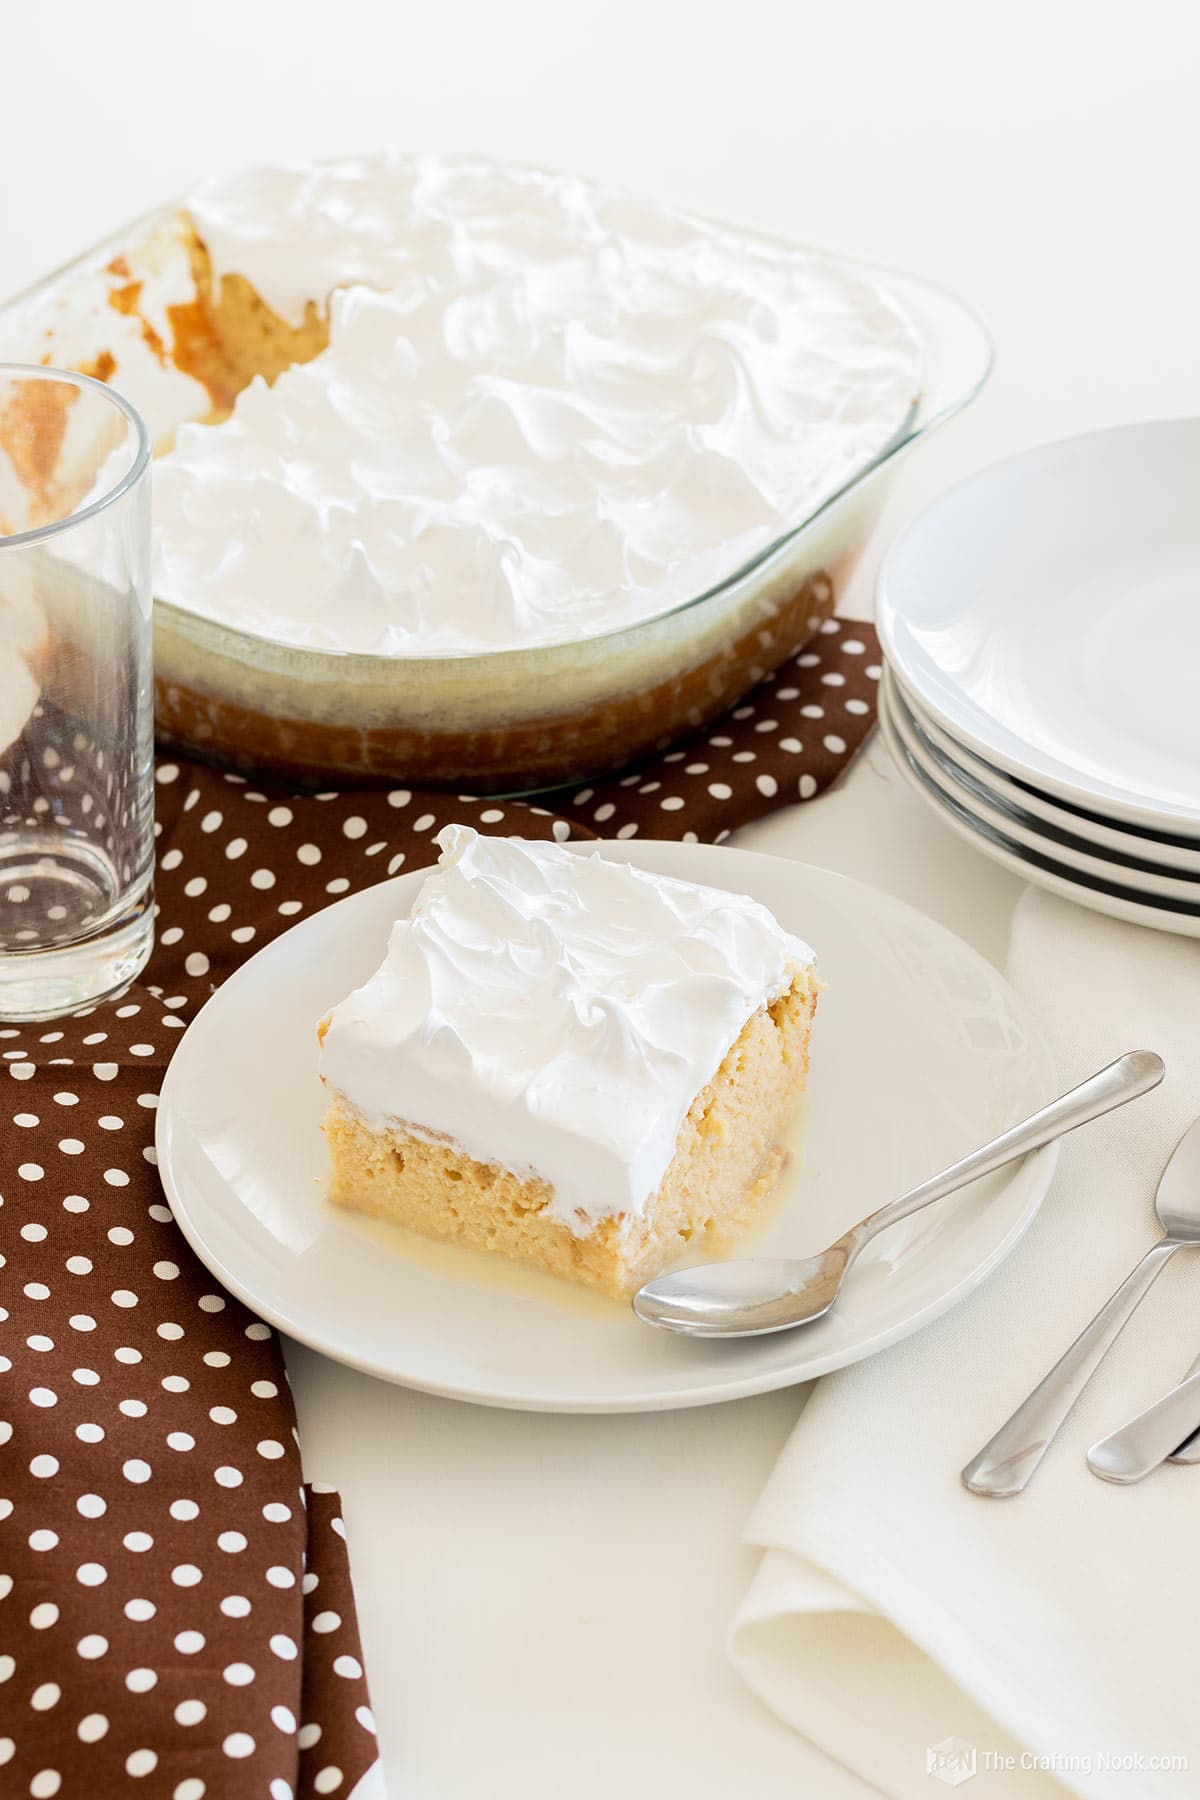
556	1014
546	410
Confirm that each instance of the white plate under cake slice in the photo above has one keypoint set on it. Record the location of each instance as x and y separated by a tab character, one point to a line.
924	1051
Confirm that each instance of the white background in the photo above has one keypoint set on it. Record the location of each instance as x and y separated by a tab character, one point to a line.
544	1601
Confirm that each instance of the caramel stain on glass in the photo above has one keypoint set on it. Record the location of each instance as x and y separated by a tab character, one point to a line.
33	424
124	299
101	368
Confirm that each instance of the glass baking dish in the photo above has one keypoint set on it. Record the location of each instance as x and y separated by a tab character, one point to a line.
514	720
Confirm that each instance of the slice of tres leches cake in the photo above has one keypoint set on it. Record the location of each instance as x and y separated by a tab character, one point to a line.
571	1062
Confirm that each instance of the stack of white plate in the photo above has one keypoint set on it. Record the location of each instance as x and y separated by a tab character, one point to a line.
1041	630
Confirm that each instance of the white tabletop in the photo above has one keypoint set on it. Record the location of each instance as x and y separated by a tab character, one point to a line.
544	1601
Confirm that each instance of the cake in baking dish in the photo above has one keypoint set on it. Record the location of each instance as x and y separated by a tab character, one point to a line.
420	402
570	1062
449	451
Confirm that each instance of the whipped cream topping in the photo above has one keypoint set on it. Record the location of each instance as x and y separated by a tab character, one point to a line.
556	1014
546	410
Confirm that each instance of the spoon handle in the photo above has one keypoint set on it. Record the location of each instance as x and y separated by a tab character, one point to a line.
1008	1460
1132	1074
1140	1445
1188	1452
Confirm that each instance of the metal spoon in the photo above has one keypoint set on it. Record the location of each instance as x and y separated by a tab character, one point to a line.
1140	1445
1007	1461
752	1297
1189	1450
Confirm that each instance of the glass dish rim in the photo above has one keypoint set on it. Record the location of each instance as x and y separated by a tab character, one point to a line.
38	534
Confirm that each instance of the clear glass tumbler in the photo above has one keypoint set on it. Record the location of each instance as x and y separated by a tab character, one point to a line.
76	700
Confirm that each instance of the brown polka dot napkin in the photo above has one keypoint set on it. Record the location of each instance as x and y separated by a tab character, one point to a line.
176	1613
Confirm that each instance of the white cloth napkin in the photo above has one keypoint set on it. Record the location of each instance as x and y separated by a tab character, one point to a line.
1059	1630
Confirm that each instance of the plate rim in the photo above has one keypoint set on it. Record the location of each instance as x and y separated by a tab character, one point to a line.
1182	854
976	799
1036	1172
1047	773
1094	895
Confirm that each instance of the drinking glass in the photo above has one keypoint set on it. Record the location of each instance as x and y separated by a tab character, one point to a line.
76	704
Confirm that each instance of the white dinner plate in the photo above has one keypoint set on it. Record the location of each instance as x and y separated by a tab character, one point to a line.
1071	851
1047	613
1130	844
921	1051
1116	899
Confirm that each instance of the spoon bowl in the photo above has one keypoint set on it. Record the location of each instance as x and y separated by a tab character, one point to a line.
752	1297
755	1296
